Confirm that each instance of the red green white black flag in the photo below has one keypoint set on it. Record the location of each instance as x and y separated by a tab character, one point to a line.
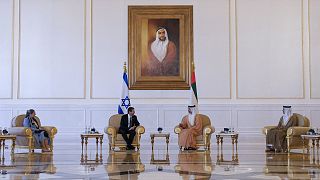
193	89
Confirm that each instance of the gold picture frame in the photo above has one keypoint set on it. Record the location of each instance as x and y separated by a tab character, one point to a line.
160	47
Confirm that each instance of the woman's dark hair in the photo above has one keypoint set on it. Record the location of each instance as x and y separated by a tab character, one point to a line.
29	112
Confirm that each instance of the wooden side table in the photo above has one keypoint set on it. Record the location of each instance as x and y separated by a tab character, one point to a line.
166	135
314	138
3	138
233	136
84	139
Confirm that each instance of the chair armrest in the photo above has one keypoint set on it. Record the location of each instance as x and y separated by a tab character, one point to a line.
111	131
140	130
177	130
177	168
51	130
20	131
207	130
297	131
266	129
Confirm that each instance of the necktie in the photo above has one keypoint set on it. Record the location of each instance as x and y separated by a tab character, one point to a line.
130	121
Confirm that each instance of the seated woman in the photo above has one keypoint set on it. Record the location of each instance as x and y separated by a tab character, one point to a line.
191	126
40	136
276	137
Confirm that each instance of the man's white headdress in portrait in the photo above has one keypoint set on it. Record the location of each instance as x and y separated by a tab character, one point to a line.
159	47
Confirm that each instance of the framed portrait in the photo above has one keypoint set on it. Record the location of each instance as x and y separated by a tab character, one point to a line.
160	51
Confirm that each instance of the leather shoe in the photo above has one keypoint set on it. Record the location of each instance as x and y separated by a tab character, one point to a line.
130	147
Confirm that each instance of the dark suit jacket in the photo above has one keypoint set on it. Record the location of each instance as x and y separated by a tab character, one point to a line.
124	122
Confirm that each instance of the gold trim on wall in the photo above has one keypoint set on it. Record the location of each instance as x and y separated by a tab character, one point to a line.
84	59
91	51
230	54
12	51
302	59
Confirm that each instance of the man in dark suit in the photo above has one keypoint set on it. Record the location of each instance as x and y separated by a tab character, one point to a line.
128	125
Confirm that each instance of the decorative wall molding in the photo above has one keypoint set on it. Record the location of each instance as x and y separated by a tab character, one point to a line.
72	119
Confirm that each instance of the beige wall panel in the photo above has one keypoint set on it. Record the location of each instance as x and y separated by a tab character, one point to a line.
270	62
6	48
52	45
314	10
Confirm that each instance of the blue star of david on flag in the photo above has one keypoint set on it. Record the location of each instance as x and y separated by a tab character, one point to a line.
126	102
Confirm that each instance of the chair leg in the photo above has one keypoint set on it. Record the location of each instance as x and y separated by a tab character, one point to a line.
288	145
51	144
31	149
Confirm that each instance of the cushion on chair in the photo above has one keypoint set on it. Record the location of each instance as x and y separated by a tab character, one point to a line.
120	139
199	138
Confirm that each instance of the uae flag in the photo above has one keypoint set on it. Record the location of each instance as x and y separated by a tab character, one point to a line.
193	90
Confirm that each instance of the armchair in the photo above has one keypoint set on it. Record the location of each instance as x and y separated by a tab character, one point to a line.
24	134
116	139
207	130
294	140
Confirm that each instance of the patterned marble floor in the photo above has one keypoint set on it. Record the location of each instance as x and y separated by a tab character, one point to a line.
249	162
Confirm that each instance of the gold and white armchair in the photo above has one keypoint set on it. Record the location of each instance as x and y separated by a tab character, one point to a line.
207	131
116	139
294	140
24	134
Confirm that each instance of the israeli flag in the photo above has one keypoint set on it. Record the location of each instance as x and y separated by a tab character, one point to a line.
125	100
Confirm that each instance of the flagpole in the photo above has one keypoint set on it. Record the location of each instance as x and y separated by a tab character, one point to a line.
125	67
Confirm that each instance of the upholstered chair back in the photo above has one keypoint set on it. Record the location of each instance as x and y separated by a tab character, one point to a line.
205	119
18	121
303	121
114	121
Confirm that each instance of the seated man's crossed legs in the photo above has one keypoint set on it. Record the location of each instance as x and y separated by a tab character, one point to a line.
129	139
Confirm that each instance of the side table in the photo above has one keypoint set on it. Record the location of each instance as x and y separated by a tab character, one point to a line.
3	138
314	138
166	135
84	139
234	139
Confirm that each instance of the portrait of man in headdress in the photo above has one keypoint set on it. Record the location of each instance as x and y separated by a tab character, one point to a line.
163	54
160	47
